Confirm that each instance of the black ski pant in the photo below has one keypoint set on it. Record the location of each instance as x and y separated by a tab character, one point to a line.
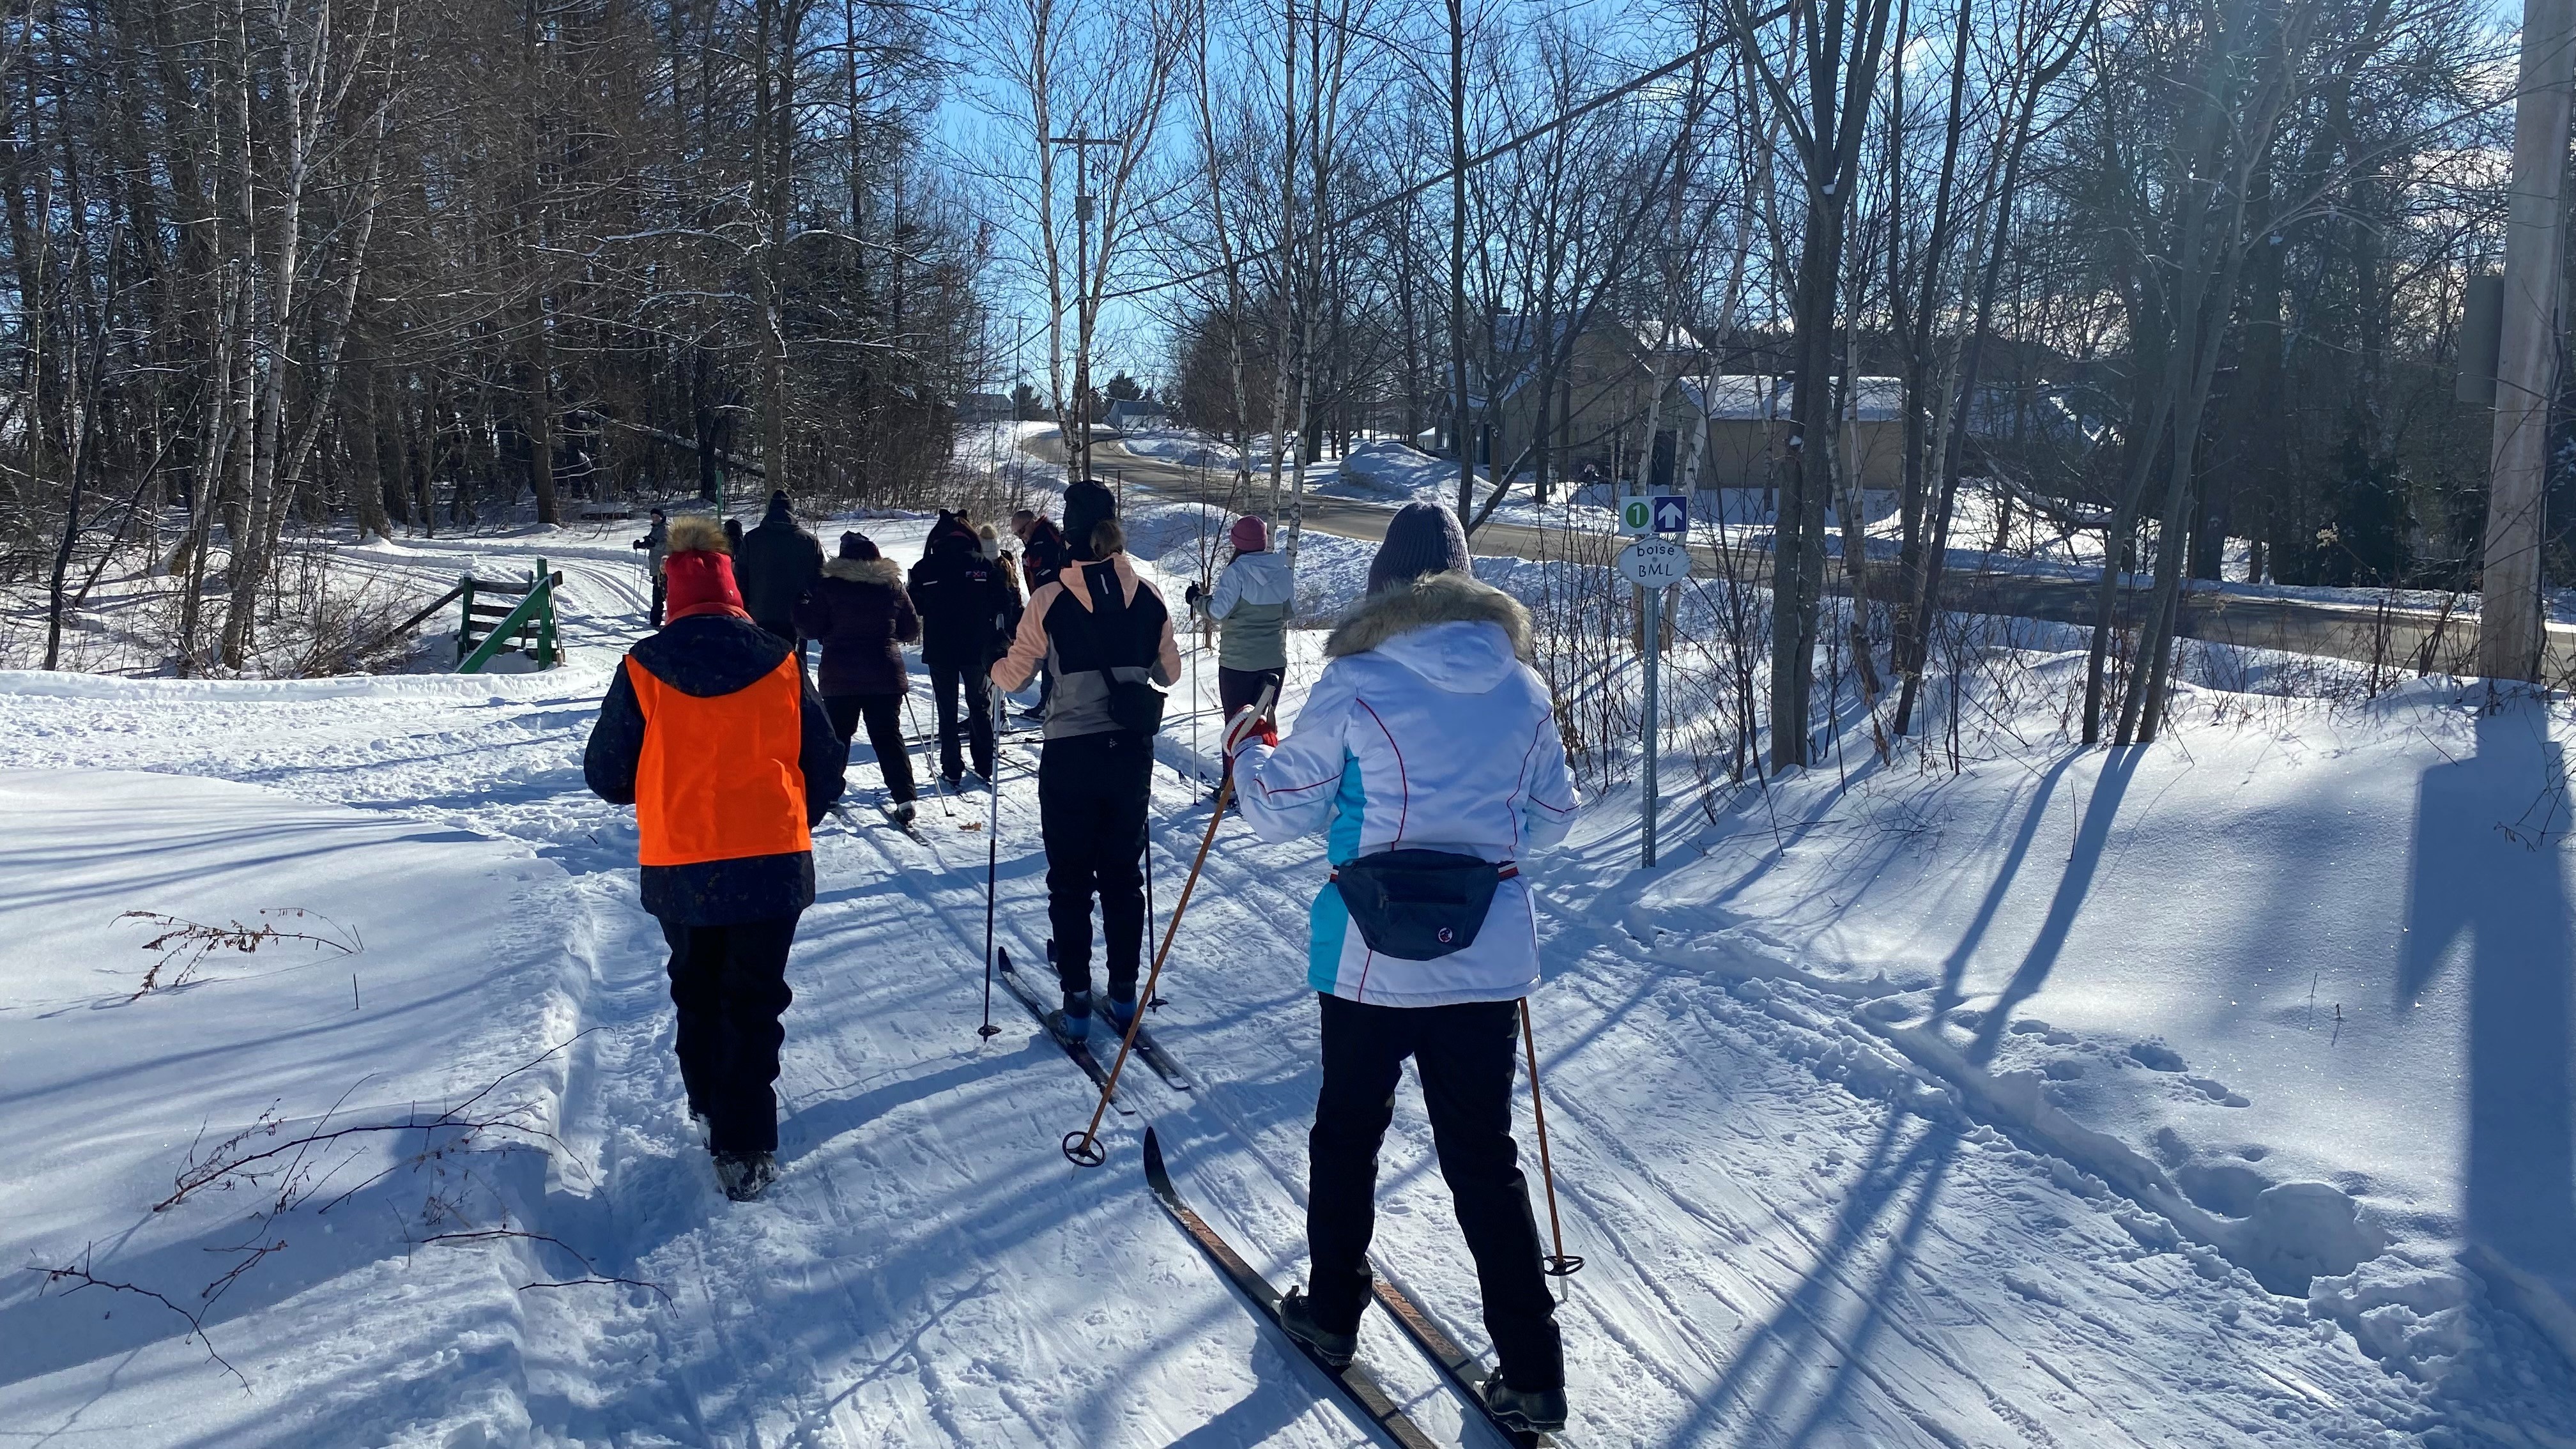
661	593
884	716
730	985
946	681
1092	793
1241	688
1464	1055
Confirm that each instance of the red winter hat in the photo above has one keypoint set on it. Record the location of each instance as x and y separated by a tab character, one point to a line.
1249	534
701	582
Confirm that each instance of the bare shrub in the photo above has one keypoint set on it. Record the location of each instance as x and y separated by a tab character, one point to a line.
182	945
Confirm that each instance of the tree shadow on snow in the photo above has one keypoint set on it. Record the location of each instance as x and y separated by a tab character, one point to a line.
1829	1323
2092	835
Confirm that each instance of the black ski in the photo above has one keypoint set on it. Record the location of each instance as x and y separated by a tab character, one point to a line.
1161	1061
1038	1008
1356	1383
1465	1371
1148	1050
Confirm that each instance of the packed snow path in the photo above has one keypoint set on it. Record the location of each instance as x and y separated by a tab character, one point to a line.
1776	1257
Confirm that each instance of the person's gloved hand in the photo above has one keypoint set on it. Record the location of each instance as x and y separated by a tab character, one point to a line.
1247	726
1191	596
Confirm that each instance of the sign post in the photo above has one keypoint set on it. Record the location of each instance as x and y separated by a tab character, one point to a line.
1652	564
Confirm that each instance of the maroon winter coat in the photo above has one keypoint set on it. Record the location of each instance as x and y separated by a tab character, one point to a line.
859	611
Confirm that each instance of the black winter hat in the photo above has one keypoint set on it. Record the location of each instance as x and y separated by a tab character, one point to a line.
779	504
858	545
1422	538
1086	505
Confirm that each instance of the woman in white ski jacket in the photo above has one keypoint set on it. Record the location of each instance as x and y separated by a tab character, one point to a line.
1427	732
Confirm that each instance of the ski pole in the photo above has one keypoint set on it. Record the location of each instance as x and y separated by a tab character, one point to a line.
992	869
1558	1264
912	725
1083	1148
1152	1002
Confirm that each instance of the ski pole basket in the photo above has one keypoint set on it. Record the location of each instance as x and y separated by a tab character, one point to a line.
489	624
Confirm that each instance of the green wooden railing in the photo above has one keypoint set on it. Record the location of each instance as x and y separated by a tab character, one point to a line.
528	624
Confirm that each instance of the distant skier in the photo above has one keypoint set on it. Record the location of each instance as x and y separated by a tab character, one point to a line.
1043	555
962	601
1015	598
1043	546
780	561
656	541
1105	635
1428	752
1251	600
862	616
725	751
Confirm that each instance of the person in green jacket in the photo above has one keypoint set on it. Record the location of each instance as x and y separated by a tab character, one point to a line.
1250	602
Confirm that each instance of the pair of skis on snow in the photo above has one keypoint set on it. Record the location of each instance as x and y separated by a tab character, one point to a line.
1355	1382
1148	1050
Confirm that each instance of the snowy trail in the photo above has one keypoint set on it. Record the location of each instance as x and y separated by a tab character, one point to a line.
1793	1240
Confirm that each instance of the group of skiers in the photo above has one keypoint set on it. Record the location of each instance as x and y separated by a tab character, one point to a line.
1426	753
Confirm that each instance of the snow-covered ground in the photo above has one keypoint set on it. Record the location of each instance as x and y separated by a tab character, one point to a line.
1896	1107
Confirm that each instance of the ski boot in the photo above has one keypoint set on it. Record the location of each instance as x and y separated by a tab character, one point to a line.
903	812
1537	1411
1072	1025
1298	1317
1122	1014
744	1176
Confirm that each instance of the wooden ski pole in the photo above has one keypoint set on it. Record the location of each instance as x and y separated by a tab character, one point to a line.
1083	1148
1559	1265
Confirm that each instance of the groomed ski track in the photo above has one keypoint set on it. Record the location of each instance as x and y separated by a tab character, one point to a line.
1775	1258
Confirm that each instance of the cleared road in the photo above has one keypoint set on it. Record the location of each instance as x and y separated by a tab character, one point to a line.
2397	636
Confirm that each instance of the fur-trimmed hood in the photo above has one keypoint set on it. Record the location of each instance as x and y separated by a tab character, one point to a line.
695	532
865	571
1442	598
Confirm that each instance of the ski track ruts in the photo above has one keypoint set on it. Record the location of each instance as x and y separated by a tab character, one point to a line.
1779	1396
2014	1193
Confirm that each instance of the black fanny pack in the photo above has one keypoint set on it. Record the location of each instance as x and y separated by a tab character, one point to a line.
1420	905
1135	704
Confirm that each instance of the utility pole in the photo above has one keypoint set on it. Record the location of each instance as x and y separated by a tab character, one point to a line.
1082	290
2509	627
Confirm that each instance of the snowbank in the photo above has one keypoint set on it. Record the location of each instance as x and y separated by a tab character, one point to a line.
448	957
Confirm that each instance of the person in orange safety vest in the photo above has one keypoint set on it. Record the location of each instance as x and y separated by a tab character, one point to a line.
719	742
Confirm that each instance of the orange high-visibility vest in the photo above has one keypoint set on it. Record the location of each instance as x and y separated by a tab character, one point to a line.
719	777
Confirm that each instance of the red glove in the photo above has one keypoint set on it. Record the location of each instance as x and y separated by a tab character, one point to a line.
1244	728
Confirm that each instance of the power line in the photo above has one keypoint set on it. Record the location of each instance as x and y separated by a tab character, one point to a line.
1505	148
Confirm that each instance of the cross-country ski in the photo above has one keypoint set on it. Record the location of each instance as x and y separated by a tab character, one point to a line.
1351	1378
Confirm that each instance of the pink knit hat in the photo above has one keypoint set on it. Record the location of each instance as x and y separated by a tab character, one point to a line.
1249	534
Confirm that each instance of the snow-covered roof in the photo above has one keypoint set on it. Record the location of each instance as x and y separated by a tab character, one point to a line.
1756	397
